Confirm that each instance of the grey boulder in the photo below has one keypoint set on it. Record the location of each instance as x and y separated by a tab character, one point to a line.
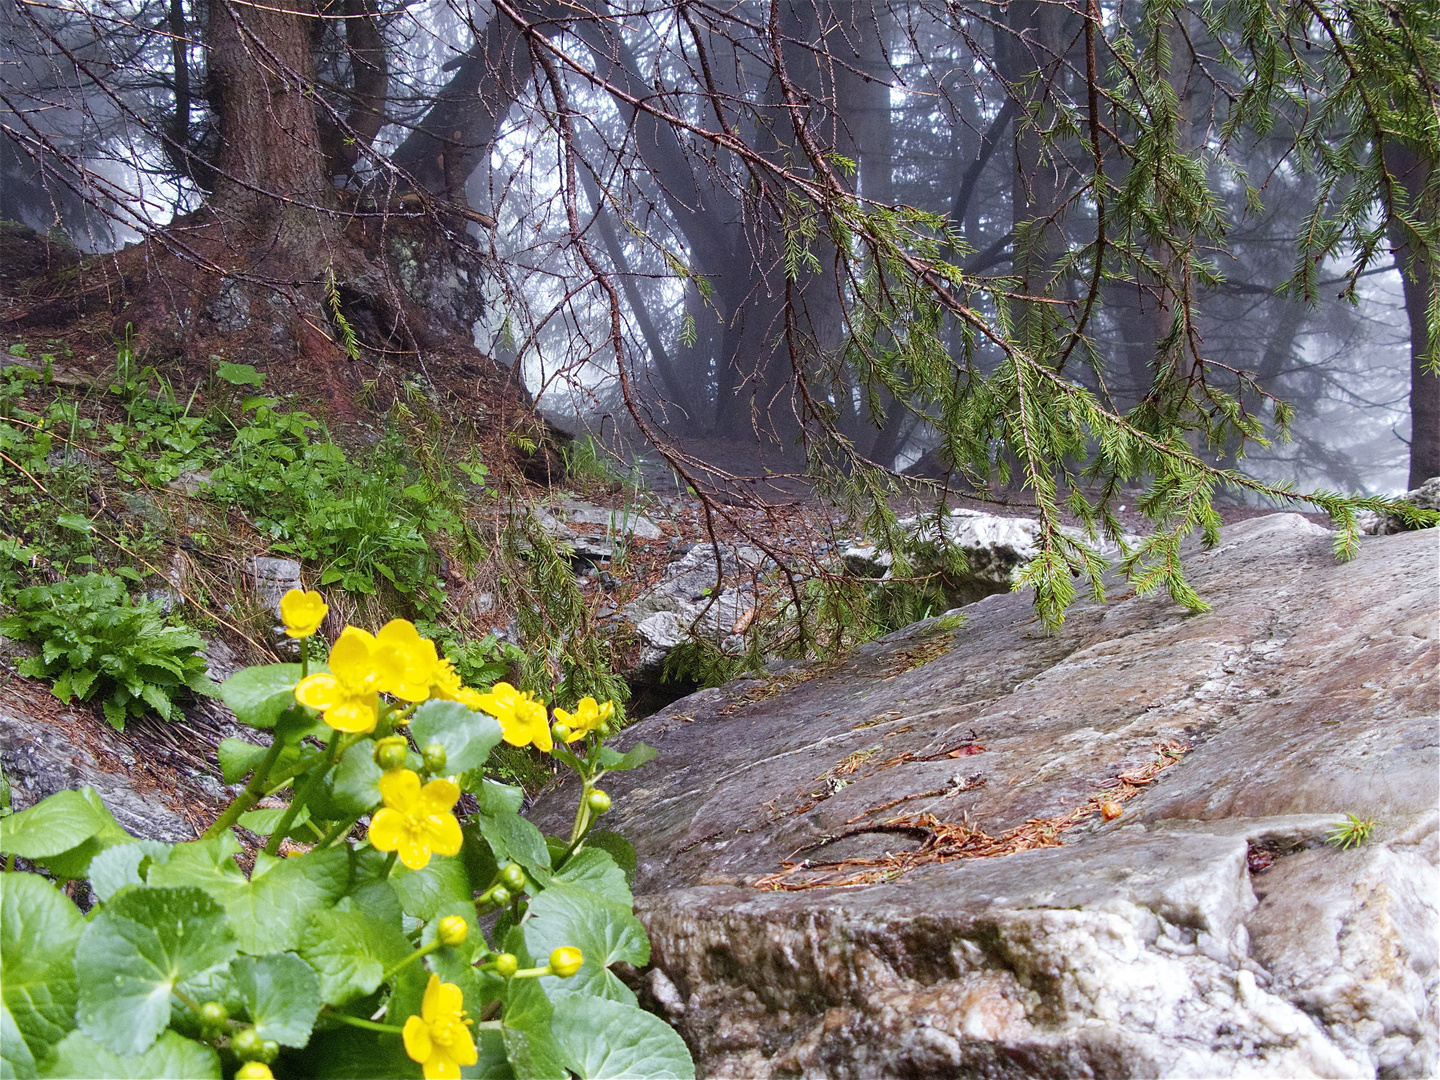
1153	788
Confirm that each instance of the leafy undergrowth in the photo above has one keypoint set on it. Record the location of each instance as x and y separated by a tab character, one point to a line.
133	510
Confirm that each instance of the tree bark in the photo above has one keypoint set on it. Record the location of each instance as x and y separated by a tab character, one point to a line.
1417	277
271	187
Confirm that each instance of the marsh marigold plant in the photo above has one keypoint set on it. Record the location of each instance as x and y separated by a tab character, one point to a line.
362	950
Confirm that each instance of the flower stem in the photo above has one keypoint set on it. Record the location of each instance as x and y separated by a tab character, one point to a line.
390	863
273	844
368	1025
341	828
250	796
424	950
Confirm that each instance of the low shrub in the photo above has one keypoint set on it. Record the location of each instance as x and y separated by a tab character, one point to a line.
96	642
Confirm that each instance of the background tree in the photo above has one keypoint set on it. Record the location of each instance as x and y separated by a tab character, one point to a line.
1010	236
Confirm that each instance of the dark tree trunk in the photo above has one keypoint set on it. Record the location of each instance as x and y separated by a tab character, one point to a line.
1417	276
271	187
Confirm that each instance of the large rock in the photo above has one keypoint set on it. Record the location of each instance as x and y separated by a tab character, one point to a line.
994	550
157	777
595	532
1425	497
685	604
1204	931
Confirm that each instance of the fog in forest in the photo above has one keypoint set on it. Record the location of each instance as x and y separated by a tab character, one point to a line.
111	130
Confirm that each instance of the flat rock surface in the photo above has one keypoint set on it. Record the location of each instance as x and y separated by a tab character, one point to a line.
1002	852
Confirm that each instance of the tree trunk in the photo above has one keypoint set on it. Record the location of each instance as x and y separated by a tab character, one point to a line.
271	187
1417	277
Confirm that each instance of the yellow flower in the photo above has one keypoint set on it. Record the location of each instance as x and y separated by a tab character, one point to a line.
588	716
359	668
470	698
416	821
439	1038
445	682
415	658
522	719
302	612
257	1070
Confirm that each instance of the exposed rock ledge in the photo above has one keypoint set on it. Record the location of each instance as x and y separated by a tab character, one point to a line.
1206	931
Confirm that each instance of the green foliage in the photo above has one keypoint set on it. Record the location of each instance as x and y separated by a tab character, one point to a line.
1352	832
566	651
365	523
588	464
96	642
315	963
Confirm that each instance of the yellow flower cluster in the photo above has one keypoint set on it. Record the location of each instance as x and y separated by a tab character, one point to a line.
396	661
399	662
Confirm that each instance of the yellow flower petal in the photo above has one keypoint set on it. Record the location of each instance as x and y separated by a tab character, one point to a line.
318	691
354	714
414	852
438	796
445	1003
430	1003
417	1039
400	788
462	1049
387	829
445	836
350	657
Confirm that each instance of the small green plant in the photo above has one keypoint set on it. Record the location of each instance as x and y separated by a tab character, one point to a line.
95	642
1351	832
587	464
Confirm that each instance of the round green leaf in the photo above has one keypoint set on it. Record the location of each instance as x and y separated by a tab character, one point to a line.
16	1060
130	958
468	737
603	931
351	949
39	929
55	825
353	786
281	994
595	870
116	867
424	892
172	1056
257	695
608	1040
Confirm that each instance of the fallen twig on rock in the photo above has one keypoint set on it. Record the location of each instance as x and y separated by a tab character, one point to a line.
947	840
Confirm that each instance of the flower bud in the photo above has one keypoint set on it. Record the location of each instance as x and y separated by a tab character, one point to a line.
560	732
453	931
512	876
213	1014
565	961
254	1070
248	1045
391	752
269	1051
434	758
497	895
598	801
506	964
